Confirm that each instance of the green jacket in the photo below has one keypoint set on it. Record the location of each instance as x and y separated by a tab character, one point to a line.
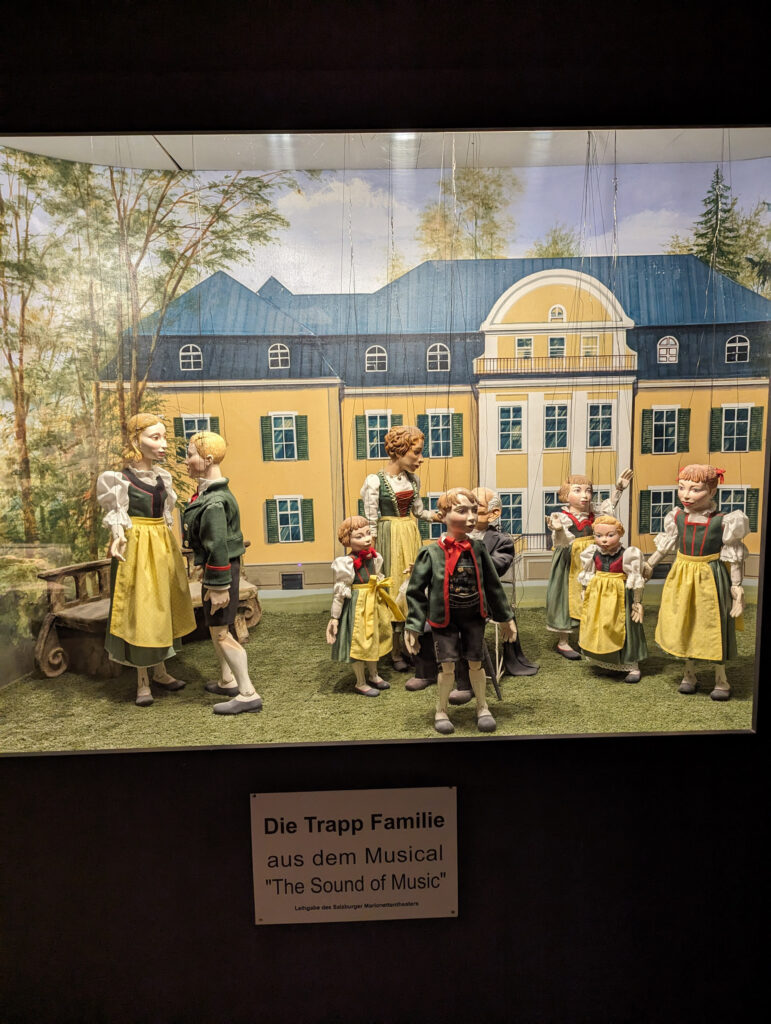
428	590
211	526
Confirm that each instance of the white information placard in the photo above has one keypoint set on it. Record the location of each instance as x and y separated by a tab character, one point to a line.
354	855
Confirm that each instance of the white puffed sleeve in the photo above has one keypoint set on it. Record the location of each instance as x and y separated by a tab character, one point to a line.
417	508
370	495
587	564
342	576
666	541
171	497
604	508
378	563
632	564
562	538
112	495
736	526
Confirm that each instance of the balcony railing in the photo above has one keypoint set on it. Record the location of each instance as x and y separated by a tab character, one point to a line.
556	364
531	542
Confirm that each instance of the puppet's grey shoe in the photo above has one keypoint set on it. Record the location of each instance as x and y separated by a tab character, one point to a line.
444	726
236	707
416	683
223	691
486	723
144	700
379	684
633	677
173	684
461	696
569	653
687	686
368	691
720	694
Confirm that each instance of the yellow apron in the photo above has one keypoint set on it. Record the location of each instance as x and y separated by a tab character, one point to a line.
375	609
689	617
574	587
405	543
603	623
151	602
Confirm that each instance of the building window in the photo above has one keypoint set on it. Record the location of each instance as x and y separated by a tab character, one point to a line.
192	424
664	431
524	348
557	313
732	499
375	359
551	502
190	358
590	346
600	425
440	435
736	429
662	502
378	425
556	348
284	437
511	512
438	357
600	494
278	357
737	349
510	428
290	525
435	530
555	426
668	350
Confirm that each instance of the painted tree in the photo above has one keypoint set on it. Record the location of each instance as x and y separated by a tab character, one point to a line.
559	240
469	220
717	233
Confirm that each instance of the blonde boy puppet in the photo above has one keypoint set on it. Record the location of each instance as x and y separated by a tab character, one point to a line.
455	587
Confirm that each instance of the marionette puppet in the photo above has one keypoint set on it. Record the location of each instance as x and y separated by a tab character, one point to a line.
150	604
571	530
212	528
392	506
501	548
702	600
611	633
359	628
454	587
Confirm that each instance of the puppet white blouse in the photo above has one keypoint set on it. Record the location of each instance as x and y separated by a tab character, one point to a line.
343	576
370	494
113	495
631	564
736	526
564	538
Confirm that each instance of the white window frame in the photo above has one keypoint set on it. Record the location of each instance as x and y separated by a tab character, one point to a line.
667	505
289	497
557	505
735	406
192	416
665	346
664	408
374	355
595	338
279	357
602	447
376	412
741	488
566	406
564	340
438	412
522	508
596	499
523	347
522	406
557	314
740	346
287	415
194	355
438	351
435	530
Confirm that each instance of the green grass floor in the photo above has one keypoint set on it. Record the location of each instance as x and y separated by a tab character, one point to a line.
310	699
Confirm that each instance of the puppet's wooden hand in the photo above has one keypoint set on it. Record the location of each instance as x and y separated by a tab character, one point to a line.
332	631
218	598
509	630
637	611
625	479
647	570
411	641
117	548
737	593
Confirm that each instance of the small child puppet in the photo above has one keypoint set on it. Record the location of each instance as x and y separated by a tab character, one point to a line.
571	532
611	633
359	629
455	588
703	598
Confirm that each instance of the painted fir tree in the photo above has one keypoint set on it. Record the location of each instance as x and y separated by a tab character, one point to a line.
717	233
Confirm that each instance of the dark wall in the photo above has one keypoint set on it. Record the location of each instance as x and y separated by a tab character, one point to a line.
600	879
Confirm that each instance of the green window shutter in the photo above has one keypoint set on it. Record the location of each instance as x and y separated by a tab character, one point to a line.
361	508
716	430
424	527
457	434
683	429
266	430
214	424
180	443
307	519
271	520
646	432
397	420
753	503
756	428
422	425
179	430
301	435
645	511
361	437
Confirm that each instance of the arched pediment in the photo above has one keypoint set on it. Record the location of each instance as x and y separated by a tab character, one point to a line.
587	303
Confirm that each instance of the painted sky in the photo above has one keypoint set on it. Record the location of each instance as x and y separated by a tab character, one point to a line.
343	226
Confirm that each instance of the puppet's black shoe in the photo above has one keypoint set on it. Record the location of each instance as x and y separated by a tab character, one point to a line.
223	691
461	696
144	700
687	686
720	694
379	684
513	666
519	654
416	683
568	653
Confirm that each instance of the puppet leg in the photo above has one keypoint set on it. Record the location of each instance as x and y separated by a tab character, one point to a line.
689	681
722	689
226	685
362	686
235	656
564	648
374	677
144	697
162	678
445	682
478	679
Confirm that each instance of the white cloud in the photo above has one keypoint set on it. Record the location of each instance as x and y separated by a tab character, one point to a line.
647	231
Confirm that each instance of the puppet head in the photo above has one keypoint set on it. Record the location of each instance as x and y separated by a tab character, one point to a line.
488	507
355	533
459	510
135	427
608	532
405	446
697	485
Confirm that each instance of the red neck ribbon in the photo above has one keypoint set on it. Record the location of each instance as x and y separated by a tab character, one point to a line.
453	549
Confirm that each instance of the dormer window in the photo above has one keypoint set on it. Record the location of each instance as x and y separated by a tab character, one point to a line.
557	314
278	357
737	349
190	358
375	359
668	350
438	357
